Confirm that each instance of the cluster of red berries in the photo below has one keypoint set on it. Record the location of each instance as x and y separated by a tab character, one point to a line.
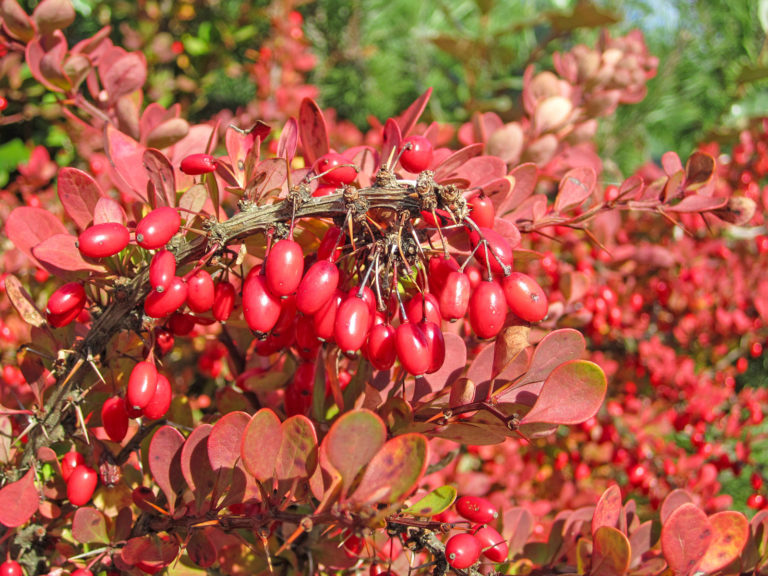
464	549
81	479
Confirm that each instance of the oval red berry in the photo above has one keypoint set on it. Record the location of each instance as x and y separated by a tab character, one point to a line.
196	164
284	267
81	485
260	308
476	509
336	169
157	228
141	385
201	292
162	304
161	400
417	153
114	418
162	270
69	462
494	546
223	301
317	286
462	550
524	296
103	240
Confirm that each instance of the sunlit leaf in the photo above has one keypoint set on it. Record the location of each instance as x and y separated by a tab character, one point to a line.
89	526
685	537
353	440
165	462
437	501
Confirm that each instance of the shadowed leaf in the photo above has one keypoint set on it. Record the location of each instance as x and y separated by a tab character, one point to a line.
350	457
22	301
27	227
458	158
195	463
730	534
390	140
297	457
575	187
261	443
697	203
194	198
19	501
437	501
312	131
611	552
78	193
685	537
518	524
125	154
289	139
161	174
455	361
699	170
108	210
165	462
641	540
61	257
89	525
509	344
608	509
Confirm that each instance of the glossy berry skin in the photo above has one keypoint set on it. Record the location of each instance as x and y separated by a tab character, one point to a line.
524	296
81	572
197	164
494	546
11	568
157	228
435	345
332	237
181	324
439	268
380	347
419	305
481	210
324	320
164	340
317	287
223	301
114	418
162	304
305	339
141	385
412	348
69	462
200	295
65	304
298	394
476	509
81	485
339	174
261	308
162	270
417	153
161	401
455	295
462	550
487	310
351	324
497	245
284	267
103	240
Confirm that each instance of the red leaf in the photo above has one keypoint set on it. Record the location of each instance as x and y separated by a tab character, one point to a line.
224	443
78	193
524	179
165	462
27	227
19	501
481	170
239	143
60	256
289	139
670	161
269	175
125	155
455	361
297	457
408	119
124	75
22	301
447	167
611	554
731	532
312	131
697	203
685	537
608	509
261	443
108	210
572	393
575	187
699	170
498	190
672	502
195	463
89	525
161	175
391	139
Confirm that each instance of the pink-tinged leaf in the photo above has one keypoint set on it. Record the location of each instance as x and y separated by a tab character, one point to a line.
162	176
61	257
22	301
611	553
239	143
167	133
225	439
124	75
289	140
89	526
269	175
447	167
498	190
195	463
78	193
608	509
697	203
673	501
349	458
455	361
481	170
312	131
670	161
52	15
194	199
394	471
125	155
261	444
16	21
518	525
408	119
524	178
730	535
27	227
153	116
685	537
19	501
165	462
640	541
45	57
391	139
575	187
509	344
509	231
108	210
367	161
571	394
554	349
297	457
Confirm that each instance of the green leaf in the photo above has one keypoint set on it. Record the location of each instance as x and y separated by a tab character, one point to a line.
89	525
437	501
611	553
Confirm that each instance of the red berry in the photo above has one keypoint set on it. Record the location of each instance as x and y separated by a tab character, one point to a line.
141	385
380	348
260	308
756	480
455	295
65	304
81	572
162	304
162	270
103	240
417	153
524	296
223	301
157	228
114	418
81	485
284	267
324	190
487	310
317	287
298	394
10	567
481	210
462	550
201	295
351	324
413	348
439	268
196	164
476	509
497	245
337	173
69	462
161	400
181	324
420	305
3	101
164	340
435	345
324	320
756	501
494	546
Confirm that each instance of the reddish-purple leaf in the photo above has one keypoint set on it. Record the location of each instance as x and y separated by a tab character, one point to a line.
408	119
52	15
699	170
60	256
124	75
261	443
672	502
154	551
608	509
611	553
297	457
108	210
730	535
239	143
349	458
224	443
670	161
19	501
480	170
289	139
572	393
455	361
575	187
312	131
89	526
518	524
641	540
697	203
125	155
394	471
269	175
554	349
78	193
685	537
162	176
391	139
447	167
524	178
195	464
165	462
22	301
200	549
27	227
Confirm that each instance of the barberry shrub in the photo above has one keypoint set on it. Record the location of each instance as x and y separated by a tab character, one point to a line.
246	346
